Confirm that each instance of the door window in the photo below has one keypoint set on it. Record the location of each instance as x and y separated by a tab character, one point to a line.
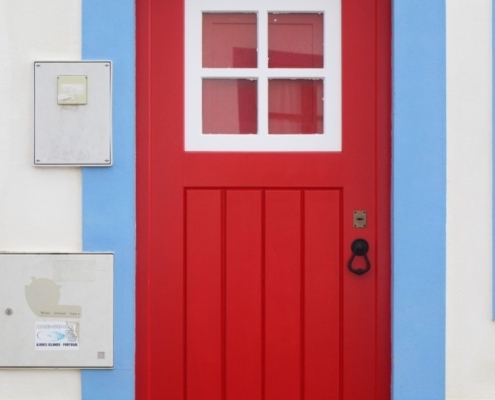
262	79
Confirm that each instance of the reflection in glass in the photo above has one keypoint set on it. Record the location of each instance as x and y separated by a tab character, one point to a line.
295	106
295	40
229	40
230	106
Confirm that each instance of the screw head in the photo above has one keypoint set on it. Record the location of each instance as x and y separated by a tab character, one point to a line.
9	311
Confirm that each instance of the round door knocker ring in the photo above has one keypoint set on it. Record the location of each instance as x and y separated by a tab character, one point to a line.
359	248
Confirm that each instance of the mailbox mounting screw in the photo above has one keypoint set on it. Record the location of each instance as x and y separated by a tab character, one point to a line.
9	311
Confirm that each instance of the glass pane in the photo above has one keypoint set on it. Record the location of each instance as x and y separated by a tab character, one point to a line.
295	40
295	106
229	40
230	106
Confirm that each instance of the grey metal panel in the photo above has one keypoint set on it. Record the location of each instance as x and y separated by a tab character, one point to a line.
73	134
56	310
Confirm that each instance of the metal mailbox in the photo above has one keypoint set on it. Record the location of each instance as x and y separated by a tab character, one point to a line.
56	310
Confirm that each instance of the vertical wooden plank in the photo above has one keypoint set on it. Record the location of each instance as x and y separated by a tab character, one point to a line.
359	79
160	197
243	294
283	291
204	295
322	294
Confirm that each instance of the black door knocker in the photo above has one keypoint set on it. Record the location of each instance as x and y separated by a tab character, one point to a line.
359	248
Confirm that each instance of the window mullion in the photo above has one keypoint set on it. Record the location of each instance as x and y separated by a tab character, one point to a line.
262	73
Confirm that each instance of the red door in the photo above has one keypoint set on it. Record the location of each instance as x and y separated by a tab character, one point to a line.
244	290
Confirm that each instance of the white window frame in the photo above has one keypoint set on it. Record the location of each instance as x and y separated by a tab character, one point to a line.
331	73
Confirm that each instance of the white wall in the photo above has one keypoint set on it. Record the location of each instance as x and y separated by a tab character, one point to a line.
470	329
40	209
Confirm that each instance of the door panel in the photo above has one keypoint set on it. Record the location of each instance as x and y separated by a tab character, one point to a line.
243	286
262	293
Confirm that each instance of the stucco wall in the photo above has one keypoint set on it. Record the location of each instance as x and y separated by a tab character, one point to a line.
40	208
470	342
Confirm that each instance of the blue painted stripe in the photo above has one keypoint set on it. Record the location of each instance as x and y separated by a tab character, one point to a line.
108	193
419	199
